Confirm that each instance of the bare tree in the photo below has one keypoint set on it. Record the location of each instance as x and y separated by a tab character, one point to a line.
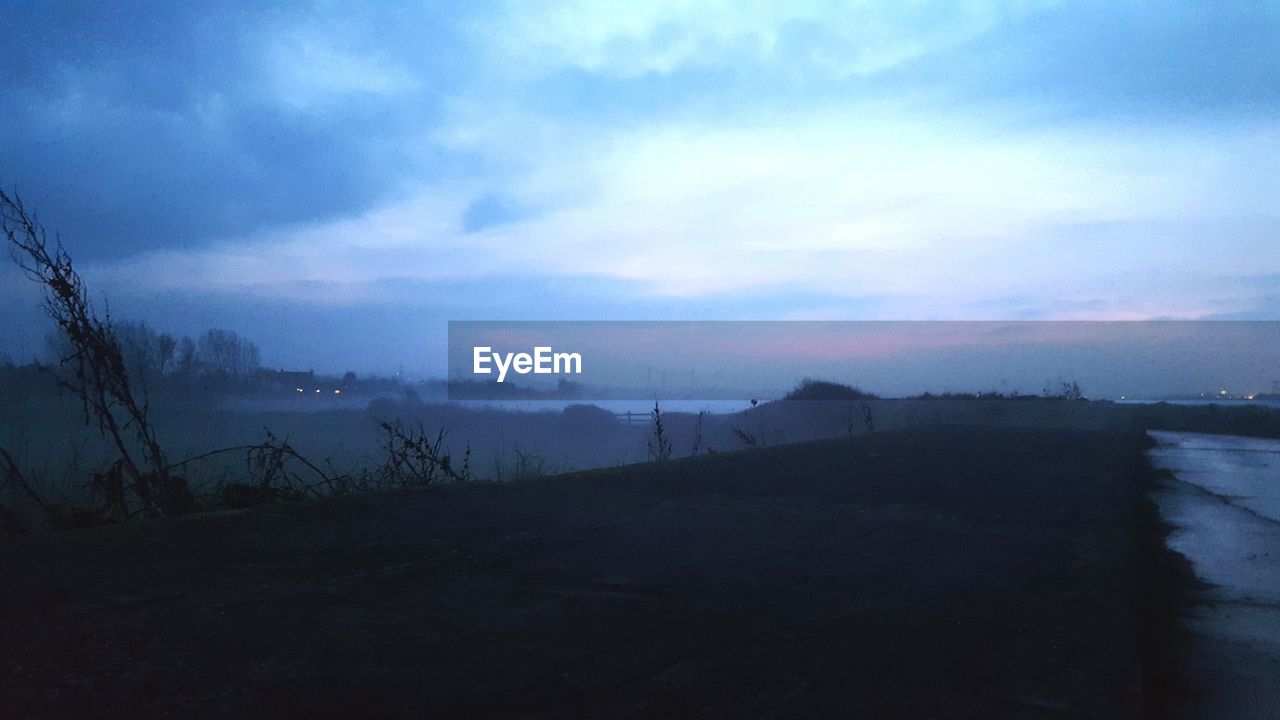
143	351
166	345
185	361
226	353
98	376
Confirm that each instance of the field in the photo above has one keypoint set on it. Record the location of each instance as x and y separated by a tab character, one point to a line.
949	572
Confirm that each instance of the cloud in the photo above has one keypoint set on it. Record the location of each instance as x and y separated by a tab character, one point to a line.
835	39
311	72
948	221
891	205
489	211
146	127
1130	60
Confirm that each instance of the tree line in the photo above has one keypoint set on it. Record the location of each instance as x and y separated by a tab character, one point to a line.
152	355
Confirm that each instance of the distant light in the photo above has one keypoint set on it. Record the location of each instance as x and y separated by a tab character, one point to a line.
1121	397
299	389
1248	397
1222	392
337	392
317	390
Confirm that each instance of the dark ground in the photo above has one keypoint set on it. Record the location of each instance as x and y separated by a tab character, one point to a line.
954	573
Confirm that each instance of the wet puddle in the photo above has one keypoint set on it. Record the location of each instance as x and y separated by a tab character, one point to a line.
1225	506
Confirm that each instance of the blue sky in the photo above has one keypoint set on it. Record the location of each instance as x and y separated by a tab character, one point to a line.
338	180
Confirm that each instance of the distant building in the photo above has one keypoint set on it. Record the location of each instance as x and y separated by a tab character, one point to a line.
288	379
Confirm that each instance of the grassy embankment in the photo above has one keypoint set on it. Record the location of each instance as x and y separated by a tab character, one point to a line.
952	572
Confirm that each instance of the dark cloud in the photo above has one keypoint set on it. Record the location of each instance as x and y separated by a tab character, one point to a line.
139	126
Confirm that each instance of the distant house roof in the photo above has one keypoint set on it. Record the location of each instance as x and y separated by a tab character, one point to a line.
288	377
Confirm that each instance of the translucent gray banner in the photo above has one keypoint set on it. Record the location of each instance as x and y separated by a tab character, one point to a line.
688	360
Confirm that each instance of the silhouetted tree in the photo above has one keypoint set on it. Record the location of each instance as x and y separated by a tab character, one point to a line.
184	362
142	350
98	374
225	353
165	346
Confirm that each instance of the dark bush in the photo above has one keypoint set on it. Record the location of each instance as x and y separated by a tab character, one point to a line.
822	390
587	416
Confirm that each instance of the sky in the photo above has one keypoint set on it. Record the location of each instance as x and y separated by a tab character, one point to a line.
336	181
